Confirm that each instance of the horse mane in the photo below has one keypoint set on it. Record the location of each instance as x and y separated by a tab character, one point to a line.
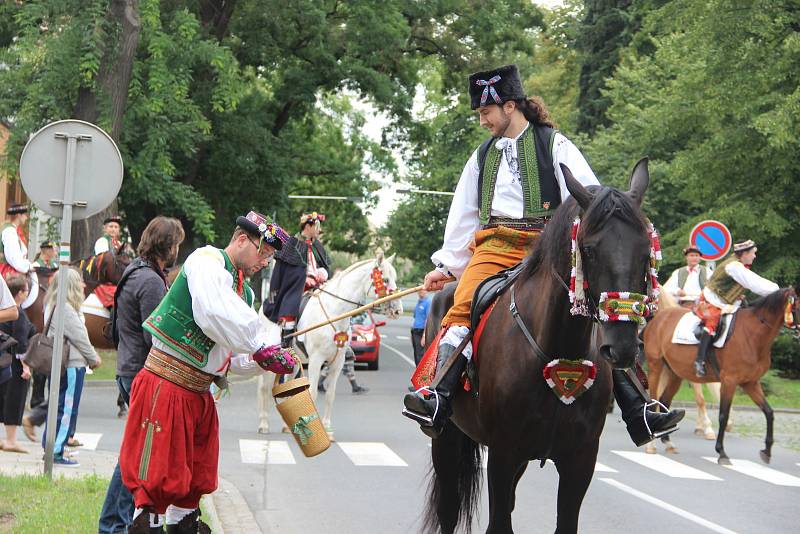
355	266
772	303
554	247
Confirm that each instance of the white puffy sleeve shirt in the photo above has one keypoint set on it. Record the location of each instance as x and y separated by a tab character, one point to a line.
221	314
14	251
748	279
462	221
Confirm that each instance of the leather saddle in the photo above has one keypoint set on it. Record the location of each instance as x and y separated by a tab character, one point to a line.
488	291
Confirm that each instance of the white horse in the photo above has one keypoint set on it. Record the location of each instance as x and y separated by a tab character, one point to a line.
344	292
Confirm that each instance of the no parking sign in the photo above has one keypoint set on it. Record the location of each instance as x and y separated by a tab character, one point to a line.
712	239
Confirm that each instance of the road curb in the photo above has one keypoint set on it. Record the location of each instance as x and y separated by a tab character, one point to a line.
211	517
233	514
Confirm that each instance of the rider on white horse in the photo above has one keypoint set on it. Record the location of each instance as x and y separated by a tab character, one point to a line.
302	264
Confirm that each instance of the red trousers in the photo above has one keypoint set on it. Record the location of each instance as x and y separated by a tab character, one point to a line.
709	314
170	448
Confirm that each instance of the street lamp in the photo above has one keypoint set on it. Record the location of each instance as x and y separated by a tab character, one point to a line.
324	197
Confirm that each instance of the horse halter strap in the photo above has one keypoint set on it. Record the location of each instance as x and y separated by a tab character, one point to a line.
521	324
614	305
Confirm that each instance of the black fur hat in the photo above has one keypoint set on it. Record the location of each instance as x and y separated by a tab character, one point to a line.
495	86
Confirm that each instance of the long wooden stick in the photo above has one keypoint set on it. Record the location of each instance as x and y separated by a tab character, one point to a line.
387	298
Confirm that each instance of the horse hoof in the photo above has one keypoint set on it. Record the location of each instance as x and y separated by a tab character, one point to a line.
650	449
710	435
671	449
698	432
724	460
263	430
765	456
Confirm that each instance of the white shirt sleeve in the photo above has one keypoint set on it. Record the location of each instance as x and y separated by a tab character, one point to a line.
462	221
671	286
564	151
13	251
243	364
218	310
750	280
101	245
6	300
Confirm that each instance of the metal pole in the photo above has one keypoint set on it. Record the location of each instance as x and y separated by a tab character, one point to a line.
61	297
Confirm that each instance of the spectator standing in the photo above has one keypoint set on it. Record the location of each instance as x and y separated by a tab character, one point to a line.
14	388
81	354
418	326
140	290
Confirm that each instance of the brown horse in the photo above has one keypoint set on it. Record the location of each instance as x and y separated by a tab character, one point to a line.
106	267
743	360
515	414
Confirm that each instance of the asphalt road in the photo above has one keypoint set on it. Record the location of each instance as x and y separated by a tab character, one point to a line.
373	478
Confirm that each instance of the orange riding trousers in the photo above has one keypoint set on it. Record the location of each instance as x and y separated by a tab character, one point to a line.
493	250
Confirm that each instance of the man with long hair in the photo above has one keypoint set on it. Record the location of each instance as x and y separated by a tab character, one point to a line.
507	193
141	288
203	327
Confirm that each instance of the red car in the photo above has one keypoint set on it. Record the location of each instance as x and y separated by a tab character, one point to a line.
366	340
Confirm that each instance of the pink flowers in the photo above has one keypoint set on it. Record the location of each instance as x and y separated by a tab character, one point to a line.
275	358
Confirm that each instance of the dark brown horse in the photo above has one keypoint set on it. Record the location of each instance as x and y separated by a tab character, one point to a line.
743	360
106	267
515	414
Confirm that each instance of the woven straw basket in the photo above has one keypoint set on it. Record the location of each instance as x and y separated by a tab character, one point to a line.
297	409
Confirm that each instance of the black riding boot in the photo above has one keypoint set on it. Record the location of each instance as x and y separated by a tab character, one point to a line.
632	405
433	413
190	524
286	340
702	351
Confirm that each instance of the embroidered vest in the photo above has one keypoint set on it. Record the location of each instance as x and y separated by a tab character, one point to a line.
723	285
683	275
2	248
540	190
172	322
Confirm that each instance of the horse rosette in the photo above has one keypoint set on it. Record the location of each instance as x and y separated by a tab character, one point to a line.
340	339
377	280
569	379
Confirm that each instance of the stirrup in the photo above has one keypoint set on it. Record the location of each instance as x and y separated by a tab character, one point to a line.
660	433
423	419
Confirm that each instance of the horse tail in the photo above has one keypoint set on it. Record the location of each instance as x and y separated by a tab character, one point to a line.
454	484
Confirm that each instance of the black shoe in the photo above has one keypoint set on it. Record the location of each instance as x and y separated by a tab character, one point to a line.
190	524
702	351
321	386
632	406
432	413
141	525
359	390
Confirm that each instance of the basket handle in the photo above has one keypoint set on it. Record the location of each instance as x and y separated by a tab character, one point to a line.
278	377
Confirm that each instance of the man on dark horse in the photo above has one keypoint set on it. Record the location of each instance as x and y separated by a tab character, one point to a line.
507	193
108	242
724	294
302	264
687	283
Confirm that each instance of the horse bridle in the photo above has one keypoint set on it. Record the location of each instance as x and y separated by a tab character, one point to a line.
376	271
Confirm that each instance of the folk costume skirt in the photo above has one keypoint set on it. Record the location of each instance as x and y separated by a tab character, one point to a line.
493	250
170	448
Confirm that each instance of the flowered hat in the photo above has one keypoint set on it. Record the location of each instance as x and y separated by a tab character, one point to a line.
15	209
260	225
311	218
744	245
113	218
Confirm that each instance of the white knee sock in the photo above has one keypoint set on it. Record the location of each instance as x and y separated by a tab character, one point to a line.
176	513
454	336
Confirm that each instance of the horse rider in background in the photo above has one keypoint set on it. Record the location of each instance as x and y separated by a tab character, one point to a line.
724	293
687	283
14	251
508	191
302	264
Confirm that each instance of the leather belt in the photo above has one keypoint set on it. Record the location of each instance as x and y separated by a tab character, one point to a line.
533	224
178	372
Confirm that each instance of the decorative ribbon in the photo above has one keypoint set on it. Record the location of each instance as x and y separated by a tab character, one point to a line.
577	284
623	306
378	282
488	88
569	379
301	428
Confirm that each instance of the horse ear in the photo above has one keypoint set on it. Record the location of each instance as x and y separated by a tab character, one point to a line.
576	189
640	179
390	259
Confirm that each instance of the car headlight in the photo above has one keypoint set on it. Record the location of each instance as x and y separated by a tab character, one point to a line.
368	337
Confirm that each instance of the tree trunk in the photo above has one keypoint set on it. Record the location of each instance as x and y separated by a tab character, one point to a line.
114	78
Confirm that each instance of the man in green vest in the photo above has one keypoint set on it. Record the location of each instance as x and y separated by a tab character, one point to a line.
204	327
686	283
46	258
724	293
508	191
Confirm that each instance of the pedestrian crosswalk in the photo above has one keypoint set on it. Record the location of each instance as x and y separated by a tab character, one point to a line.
379	454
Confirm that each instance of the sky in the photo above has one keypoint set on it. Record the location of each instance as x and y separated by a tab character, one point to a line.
388	197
